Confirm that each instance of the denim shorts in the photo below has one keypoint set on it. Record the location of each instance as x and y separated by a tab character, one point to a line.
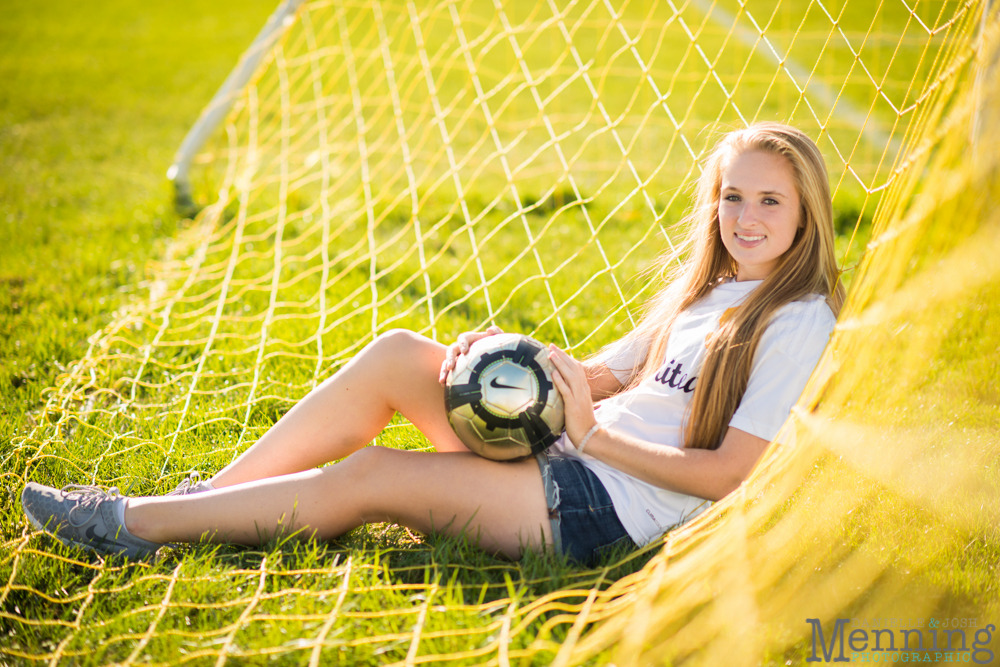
585	525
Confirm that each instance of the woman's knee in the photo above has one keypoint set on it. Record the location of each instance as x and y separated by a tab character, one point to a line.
401	340
368	460
369	471
374	466
403	348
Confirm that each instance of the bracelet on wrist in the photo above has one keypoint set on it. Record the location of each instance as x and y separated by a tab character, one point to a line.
586	438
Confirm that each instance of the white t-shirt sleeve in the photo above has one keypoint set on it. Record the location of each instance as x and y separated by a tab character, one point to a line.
622	357
788	351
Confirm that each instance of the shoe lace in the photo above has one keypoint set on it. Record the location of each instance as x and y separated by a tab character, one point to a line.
89	499
186	484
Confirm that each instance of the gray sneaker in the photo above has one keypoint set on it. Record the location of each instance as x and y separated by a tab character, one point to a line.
85	516
193	483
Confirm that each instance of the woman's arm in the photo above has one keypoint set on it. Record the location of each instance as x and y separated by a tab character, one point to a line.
705	473
709	474
602	381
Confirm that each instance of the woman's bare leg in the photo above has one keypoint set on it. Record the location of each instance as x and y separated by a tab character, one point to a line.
398	372
500	504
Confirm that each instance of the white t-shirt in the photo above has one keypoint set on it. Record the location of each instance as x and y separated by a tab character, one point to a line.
654	411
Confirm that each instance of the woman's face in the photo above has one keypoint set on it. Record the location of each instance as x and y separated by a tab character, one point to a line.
758	211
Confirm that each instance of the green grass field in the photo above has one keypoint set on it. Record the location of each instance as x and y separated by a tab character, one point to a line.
91	111
92	108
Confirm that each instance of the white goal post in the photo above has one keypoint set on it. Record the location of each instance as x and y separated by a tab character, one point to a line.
213	114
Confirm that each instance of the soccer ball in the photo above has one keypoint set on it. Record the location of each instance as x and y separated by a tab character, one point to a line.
501	400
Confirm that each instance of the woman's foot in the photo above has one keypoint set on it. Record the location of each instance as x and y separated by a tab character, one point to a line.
85	516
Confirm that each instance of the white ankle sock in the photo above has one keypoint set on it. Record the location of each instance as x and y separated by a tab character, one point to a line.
120	514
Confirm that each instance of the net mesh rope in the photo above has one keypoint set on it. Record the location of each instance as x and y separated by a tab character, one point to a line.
448	166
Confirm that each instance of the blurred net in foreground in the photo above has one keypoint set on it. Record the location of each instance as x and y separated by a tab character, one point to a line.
448	166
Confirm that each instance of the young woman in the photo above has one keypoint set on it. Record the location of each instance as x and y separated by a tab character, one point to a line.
688	401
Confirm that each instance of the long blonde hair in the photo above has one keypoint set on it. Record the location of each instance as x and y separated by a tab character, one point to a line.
808	267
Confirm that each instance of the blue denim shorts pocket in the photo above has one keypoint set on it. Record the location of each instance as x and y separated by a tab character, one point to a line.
585	525
625	544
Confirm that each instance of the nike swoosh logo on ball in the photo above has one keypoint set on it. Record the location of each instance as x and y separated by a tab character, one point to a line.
497	385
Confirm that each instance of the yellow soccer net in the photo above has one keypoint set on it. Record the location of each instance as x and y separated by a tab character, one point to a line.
448	165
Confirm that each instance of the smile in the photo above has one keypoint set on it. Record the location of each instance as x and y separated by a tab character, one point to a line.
749	238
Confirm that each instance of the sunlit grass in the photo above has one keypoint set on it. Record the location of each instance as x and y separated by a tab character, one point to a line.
91	110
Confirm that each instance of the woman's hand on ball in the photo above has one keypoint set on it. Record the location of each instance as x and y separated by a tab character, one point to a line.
570	378
460	347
